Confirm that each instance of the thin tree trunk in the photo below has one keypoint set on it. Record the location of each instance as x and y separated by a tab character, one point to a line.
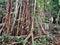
15	13
8	17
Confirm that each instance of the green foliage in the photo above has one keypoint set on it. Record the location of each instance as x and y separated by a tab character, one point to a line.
43	40
1	1
44	19
18	39
7	37
40	3
59	2
4	38
24	41
49	5
34	43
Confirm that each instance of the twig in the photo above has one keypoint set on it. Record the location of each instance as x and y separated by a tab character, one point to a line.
16	10
22	36
2	28
15	43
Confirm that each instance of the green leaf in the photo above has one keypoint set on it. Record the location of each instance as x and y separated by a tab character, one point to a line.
43	40
5	36
34	43
59	2
18	39
1	1
24	41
